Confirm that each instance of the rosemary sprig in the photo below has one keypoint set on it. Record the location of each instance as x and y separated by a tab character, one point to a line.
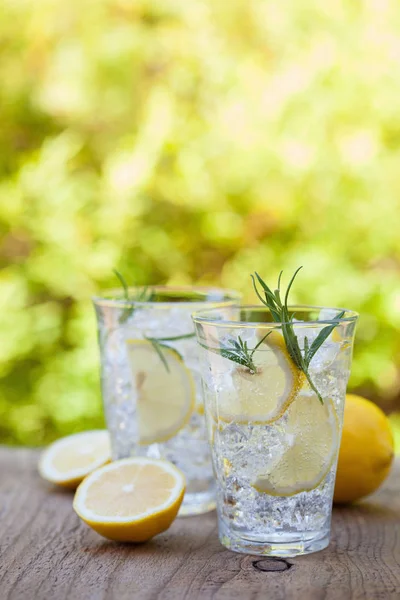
143	294
238	351
280	314
159	344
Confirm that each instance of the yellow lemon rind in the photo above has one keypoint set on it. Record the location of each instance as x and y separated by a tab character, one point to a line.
133	529
75	476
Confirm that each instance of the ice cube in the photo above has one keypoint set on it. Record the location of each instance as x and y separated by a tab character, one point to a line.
325	356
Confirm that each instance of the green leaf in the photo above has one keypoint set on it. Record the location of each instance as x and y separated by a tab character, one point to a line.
306	346
123	283
238	358
312	386
269	295
259	343
175	338
143	294
280	314
290	285
321	337
159	352
159	344
170	348
236	351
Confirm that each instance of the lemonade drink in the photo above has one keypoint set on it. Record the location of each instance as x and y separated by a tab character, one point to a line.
151	381
274	428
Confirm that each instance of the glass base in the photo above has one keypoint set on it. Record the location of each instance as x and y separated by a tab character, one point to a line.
197	504
279	545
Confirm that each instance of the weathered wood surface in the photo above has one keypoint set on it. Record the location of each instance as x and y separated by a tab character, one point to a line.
47	553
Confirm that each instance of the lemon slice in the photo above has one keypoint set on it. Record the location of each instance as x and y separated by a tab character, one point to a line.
263	396
131	500
312	431
68	460
165	398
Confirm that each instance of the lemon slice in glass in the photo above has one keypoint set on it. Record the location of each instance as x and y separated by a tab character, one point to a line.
165	397
312	430
131	500
261	397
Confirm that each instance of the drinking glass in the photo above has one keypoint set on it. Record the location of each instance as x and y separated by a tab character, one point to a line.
151	382
274	427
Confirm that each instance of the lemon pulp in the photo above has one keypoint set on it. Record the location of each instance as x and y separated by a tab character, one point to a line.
131	499
68	460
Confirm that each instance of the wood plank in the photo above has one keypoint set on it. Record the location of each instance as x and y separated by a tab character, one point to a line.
47	553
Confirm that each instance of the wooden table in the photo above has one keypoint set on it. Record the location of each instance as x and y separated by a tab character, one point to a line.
46	553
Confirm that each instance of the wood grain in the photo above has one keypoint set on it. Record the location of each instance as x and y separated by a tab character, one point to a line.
47	553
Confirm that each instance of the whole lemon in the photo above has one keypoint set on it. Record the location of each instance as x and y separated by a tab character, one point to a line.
366	452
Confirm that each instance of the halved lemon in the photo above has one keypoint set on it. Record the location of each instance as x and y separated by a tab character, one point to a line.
261	397
312	431
131	500
165	391
68	460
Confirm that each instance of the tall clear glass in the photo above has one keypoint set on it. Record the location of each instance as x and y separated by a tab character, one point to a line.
151	381
275	428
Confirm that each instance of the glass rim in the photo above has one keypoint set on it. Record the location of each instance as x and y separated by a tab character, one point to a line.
223	296
201	317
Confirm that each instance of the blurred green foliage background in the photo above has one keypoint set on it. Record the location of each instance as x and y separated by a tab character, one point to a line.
191	142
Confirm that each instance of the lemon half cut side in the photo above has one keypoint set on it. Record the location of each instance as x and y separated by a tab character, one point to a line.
131	500
68	460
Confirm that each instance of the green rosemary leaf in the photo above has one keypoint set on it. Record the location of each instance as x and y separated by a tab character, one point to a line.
257	292
237	358
279	280
238	345
234	356
170	348
269	295
123	283
175	338
306	346
280	314
128	312
312	386
291	338
157	348
143	294
236	351
259	343
320	339
159	345
269	304
292	345
278	298
290	285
